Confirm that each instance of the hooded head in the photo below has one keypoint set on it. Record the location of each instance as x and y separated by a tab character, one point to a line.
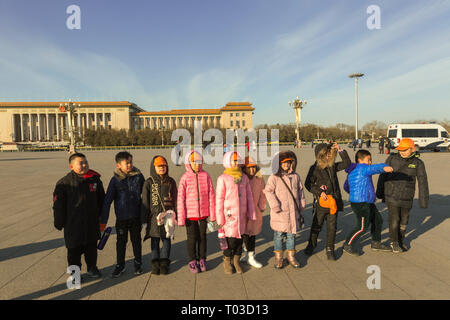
229	156
321	151
158	160
283	156
250	162
196	157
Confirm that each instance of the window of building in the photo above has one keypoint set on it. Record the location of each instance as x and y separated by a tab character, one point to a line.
231	114
231	123
243	123
237	123
237	114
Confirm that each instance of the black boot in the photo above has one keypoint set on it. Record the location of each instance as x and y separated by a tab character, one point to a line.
311	244
164	266
330	253
156	266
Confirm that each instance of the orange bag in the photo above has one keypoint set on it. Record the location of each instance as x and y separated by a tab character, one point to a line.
329	203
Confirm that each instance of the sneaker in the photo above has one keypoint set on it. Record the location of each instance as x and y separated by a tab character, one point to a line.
395	247
349	249
118	271
403	247
94	273
193	267
378	246
202	265
138	268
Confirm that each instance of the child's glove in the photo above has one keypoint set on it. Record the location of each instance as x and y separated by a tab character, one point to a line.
102	227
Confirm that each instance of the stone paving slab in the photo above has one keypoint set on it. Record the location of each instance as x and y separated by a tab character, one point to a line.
33	255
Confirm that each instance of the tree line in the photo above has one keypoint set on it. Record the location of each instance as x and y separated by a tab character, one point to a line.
308	132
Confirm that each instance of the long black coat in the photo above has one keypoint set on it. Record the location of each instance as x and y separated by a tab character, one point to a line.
151	204
398	188
77	204
328	176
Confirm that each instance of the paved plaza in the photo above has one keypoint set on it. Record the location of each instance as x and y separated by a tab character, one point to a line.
33	256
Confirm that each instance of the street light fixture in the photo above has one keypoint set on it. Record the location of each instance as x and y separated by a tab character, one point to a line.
297	105
356	76
70	107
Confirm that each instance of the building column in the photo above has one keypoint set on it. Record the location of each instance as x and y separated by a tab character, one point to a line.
31	127
79	123
96	120
13	128
39	126
112	123
47	131
58	124
104	120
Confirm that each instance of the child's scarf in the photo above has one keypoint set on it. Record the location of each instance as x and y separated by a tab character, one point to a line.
236	173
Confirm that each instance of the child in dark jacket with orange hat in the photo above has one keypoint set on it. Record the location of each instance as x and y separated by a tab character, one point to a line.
397	189
77	204
159	196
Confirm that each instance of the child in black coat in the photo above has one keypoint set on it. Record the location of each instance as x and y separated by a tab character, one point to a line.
322	182
159	195
77	202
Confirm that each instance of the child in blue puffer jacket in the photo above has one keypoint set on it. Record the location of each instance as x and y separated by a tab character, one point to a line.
125	190
362	198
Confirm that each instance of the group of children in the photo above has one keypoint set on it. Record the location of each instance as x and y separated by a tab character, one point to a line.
236	206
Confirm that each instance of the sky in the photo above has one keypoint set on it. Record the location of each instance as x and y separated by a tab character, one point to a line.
176	54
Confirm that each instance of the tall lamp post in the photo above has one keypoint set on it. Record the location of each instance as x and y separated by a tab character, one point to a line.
356	76
297	105
70	107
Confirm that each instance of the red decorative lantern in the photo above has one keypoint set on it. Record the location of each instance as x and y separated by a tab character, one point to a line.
62	109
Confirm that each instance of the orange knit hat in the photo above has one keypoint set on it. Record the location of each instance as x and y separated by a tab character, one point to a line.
159	161
249	162
287	159
329	203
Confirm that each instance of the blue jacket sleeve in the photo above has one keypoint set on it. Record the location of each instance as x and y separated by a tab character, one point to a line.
109	198
375	169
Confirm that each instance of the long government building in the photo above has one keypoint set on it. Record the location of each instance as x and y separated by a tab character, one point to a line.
44	121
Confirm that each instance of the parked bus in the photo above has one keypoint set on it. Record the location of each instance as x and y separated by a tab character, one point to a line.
429	136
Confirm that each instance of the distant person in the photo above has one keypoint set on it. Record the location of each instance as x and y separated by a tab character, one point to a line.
312	144
77	203
354	143
362	201
368	142
397	189
381	145
388	145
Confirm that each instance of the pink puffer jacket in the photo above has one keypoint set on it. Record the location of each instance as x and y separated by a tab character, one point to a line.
196	198
257	185
283	214
234	202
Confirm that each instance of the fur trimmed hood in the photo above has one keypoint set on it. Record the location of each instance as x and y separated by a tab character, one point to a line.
280	156
120	175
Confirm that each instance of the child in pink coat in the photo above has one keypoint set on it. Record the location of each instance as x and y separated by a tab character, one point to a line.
285	194
196	202
253	228
234	206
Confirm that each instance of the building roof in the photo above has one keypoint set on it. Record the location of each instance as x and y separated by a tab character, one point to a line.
230	106
56	103
180	112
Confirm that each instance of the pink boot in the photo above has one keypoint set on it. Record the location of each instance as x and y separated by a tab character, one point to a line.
193	267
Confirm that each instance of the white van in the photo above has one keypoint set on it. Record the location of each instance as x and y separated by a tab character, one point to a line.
429	136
